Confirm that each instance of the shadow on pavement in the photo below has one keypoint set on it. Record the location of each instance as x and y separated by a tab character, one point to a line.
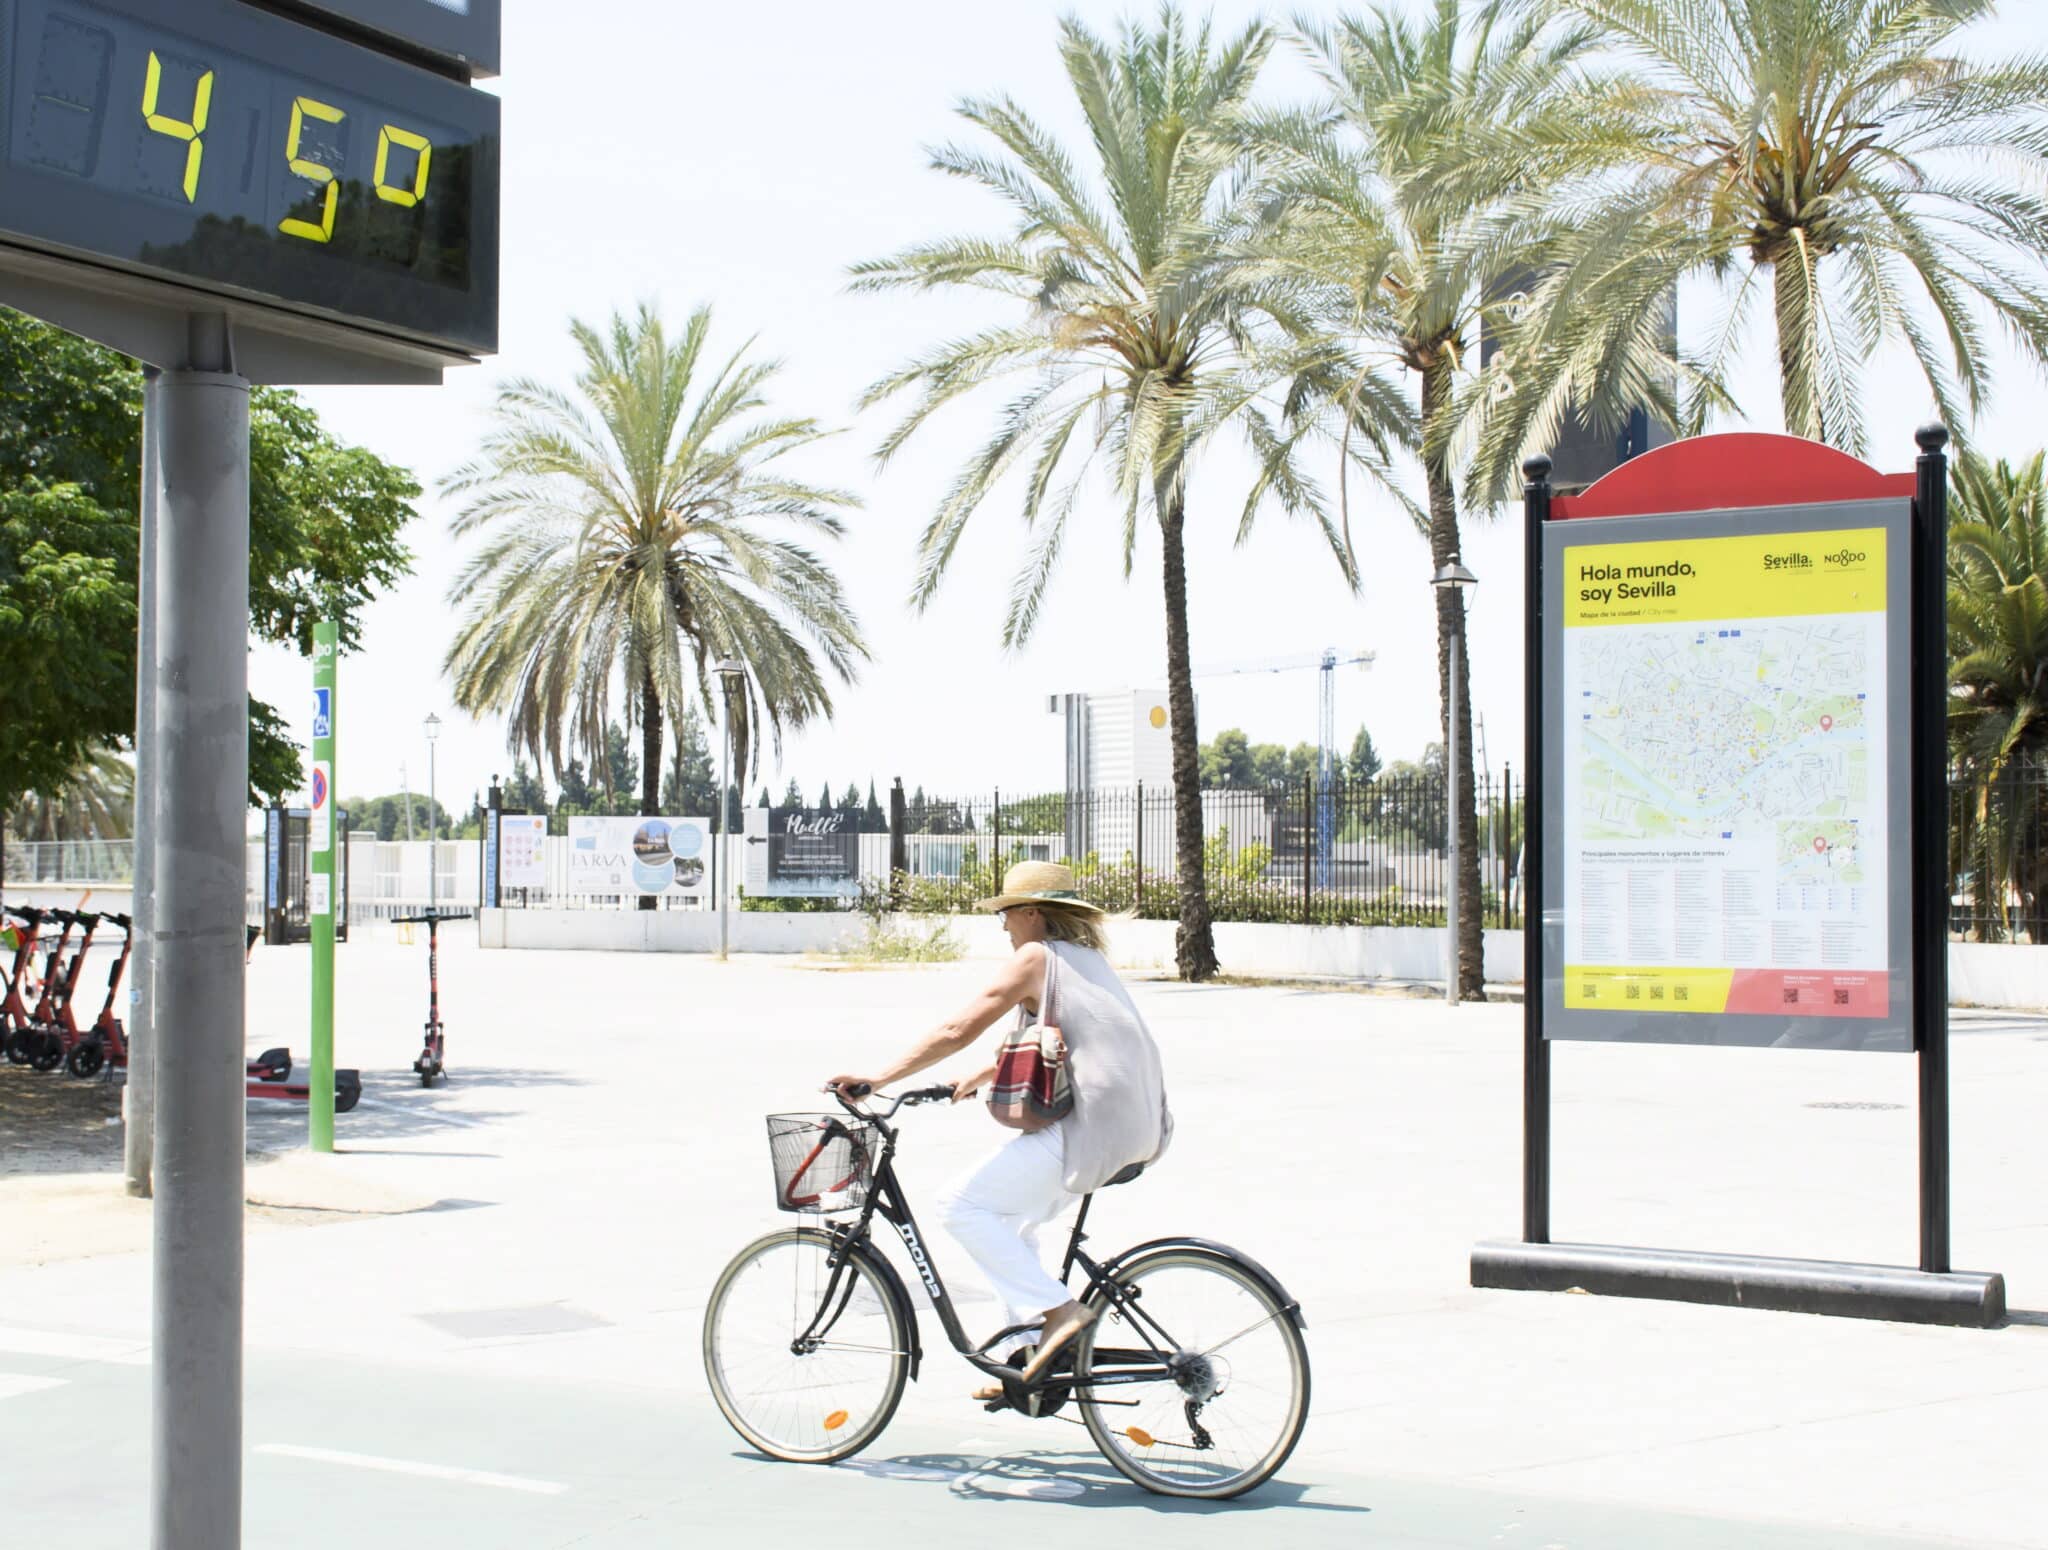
395	1108
1067	1478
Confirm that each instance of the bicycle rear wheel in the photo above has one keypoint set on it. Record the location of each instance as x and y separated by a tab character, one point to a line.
1237	1404
801	1385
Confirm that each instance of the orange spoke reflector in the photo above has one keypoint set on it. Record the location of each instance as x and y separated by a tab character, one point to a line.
835	1420
1139	1435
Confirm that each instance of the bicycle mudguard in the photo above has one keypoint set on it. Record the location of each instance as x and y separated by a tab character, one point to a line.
876	1260
1243	1261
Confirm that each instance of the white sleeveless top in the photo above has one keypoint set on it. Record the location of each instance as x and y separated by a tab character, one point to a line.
1120	1112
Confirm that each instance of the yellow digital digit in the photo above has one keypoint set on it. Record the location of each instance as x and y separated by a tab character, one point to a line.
192	132
389	136
312	171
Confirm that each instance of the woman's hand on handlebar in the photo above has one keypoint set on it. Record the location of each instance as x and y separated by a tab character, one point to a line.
851	1089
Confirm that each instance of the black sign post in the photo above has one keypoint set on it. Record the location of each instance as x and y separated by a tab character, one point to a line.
1752	495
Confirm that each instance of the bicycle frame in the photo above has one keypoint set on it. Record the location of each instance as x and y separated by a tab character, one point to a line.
887	1200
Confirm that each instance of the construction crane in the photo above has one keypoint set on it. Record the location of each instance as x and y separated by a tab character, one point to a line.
1327	661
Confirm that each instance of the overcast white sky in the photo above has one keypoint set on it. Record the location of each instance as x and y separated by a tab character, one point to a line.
745	155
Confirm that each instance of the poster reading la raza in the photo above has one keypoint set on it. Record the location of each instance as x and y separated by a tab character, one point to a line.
640	856
1725	754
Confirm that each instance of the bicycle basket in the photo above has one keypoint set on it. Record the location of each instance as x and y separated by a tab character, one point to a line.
821	1162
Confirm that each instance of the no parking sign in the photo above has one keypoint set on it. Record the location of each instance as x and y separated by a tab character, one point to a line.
322	825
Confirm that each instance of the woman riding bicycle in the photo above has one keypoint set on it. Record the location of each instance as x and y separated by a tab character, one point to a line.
1119	1121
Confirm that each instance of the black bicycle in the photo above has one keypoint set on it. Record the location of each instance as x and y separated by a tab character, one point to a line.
1193	1380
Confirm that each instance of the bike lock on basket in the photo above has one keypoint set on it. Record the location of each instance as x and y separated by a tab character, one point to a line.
822	1164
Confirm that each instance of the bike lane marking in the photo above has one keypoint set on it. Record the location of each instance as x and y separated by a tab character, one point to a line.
462	1476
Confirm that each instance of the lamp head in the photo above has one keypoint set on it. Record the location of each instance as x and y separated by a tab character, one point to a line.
1452	574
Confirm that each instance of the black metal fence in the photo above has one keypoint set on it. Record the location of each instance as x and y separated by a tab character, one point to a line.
1997	863
1355	853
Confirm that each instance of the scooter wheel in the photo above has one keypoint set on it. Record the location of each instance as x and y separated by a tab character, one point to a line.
86	1061
18	1047
48	1055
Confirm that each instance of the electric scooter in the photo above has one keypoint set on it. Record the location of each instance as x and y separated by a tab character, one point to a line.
23	1035
52	1030
269	1075
20	976
105	1044
429	1064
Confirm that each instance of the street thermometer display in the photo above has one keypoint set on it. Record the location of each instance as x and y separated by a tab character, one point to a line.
284	166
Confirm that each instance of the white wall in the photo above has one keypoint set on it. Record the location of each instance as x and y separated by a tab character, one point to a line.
1980	974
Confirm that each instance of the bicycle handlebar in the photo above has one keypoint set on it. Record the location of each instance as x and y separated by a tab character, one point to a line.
431	916
943	1093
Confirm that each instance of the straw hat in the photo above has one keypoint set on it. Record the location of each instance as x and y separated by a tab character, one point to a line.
1039	882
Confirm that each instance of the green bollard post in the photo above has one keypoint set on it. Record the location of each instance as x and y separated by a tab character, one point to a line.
320	889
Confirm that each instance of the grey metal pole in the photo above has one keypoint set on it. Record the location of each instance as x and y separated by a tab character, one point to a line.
1451	822
138	1098
724	857
202	696
432	868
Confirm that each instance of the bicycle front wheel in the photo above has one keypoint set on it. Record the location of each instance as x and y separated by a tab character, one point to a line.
807	1362
1237	1400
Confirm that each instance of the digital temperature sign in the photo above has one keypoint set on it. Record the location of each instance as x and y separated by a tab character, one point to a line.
218	146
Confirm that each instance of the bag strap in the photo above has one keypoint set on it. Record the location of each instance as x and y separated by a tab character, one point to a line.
1046	1015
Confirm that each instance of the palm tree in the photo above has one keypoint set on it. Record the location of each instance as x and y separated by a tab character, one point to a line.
1883	184
1140	335
1998	672
630	534
1417	194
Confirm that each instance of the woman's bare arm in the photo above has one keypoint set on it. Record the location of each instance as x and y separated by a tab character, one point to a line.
1017	982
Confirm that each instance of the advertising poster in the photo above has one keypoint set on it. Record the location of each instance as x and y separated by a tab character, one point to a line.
1729	719
640	856
802	852
522	850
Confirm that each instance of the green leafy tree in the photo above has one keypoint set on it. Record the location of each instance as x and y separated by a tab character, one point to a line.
1849	159
762	799
793	795
67	635
325	521
636	529
94	801
1412	202
385	815
1138	335
525	791
689	787
1226	759
872	818
621	770
1363	762
1998	674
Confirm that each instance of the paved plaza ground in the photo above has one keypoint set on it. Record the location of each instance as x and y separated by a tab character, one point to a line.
478	1323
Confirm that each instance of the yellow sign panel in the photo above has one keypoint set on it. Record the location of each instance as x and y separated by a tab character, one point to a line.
1776	575
1646	989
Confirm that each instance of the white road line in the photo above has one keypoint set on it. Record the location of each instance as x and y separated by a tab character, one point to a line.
15	1341
12	1384
413	1467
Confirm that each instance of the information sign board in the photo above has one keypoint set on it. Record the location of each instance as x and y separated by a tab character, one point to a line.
1727	832
522	850
628	856
223	149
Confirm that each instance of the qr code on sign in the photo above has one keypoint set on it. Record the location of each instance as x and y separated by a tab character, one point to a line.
1841	998
1634	993
1791	995
1681	992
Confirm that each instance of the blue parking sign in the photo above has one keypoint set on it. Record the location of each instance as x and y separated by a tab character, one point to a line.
323	713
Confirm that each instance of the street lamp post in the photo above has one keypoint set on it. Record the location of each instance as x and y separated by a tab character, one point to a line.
1453	577
433	732
731	675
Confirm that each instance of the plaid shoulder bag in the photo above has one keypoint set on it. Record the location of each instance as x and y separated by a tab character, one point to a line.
1031	1090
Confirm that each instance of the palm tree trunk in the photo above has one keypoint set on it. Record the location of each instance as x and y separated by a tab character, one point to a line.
1194	942
1446	544
1794	314
650	758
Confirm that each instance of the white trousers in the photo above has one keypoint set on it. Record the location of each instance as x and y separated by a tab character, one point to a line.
995	1213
